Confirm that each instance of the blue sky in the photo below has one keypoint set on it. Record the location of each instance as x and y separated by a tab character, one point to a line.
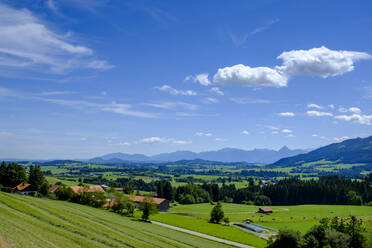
80	78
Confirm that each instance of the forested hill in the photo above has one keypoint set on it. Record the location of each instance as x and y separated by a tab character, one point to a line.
351	151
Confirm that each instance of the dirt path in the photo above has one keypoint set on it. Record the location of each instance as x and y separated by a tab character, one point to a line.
224	241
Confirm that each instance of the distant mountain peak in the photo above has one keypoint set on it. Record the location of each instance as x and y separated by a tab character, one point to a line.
284	149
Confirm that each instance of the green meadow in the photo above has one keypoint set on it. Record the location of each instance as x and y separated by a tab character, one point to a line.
33	222
300	218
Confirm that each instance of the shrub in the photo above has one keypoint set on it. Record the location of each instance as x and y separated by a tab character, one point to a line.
217	213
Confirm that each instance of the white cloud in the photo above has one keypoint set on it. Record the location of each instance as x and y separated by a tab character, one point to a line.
271	127
314	135
244	100
331	106
245	132
291	135
124	144
341	139
27	42
118	108
172	105
287	114
357	118
313	105
201	78
250	76
203	134
211	100
56	93
286	131
318	113
220	139
173	91
217	91
355	110
321	62
157	140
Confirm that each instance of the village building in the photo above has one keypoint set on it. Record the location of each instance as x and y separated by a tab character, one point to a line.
265	210
25	189
161	203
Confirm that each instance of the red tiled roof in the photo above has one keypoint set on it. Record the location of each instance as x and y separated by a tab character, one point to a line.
53	188
266	209
140	198
22	186
83	189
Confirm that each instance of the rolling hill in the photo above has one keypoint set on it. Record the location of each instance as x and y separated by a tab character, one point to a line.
351	151
34	222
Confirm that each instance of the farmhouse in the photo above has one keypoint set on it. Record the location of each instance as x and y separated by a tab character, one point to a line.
265	210
161	203
25	189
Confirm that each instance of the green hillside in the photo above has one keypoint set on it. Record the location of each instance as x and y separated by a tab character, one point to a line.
351	151
33	222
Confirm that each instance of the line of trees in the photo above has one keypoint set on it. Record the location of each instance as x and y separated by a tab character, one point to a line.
290	191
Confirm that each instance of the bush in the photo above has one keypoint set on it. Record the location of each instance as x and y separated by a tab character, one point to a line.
262	200
7	189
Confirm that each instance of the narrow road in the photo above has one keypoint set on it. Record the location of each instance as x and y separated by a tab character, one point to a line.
206	236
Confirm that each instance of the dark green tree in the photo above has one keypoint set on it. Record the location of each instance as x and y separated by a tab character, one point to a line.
15	174
3	172
36	176
286	239
217	213
148	208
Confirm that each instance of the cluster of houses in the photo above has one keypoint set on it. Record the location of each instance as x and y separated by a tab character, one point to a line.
30	190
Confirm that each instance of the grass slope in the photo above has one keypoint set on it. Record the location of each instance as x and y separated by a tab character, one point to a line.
32	222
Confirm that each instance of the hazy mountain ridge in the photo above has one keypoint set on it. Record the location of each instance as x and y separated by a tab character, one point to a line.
351	151
223	155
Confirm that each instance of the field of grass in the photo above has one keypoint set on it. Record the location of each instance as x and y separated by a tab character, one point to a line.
300	218
33	222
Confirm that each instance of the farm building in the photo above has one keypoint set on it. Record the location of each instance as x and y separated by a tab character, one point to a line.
25	189
265	210
161	203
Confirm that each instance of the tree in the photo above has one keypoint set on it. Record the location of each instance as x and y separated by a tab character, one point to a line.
217	213
3	171
286	239
65	193
337	239
36	176
130	208
148	207
262	200
353	198
15	174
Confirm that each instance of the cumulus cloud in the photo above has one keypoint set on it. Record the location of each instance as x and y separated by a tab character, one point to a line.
201	78
250	76
321	62
174	91
211	100
318	113
313	105
203	134
26	41
217	91
357	118
355	110
286	131
287	114
245	132
341	138
157	140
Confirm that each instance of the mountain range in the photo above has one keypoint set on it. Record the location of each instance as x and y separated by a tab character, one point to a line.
351	151
223	155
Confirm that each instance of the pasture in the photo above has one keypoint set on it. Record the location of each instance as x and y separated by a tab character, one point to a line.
33	222
300	218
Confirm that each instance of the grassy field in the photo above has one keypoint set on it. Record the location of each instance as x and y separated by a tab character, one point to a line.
299	218
33	222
